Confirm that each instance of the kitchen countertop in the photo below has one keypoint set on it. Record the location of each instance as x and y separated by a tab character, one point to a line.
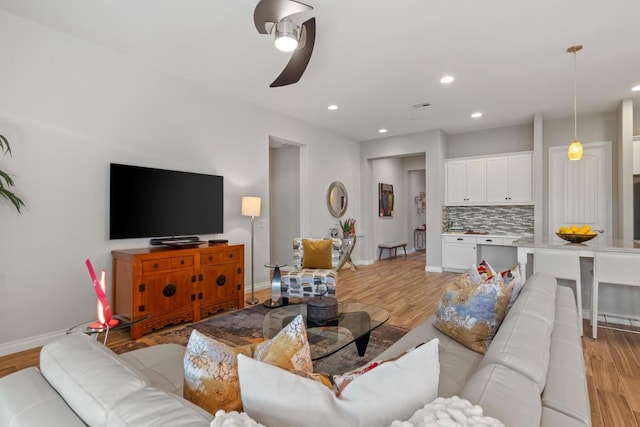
599	243
490	234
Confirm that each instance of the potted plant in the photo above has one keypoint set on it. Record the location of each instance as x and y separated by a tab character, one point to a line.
5	180
347	226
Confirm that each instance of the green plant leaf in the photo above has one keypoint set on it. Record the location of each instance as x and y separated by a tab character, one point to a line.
5	179
15	200
4	145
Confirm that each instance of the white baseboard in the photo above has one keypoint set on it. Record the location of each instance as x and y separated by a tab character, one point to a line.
29	343
619	319
432	269
256	287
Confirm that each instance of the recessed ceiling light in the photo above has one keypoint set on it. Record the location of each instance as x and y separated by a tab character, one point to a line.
476	115
446	79
382	131
636	88
332	107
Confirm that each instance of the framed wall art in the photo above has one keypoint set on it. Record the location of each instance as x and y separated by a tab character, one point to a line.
385	200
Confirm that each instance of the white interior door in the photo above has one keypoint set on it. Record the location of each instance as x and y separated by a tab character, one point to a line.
580	192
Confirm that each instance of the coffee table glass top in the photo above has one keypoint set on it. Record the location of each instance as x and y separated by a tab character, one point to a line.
354	324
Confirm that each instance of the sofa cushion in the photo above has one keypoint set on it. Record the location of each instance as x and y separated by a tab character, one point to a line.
154	407
473	306
27	399
524	339
88	376
506	395
211	367
161	364
553	418
391	391
317	254
566	364
457	362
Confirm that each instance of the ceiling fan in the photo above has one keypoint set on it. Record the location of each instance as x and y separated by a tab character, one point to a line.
275	16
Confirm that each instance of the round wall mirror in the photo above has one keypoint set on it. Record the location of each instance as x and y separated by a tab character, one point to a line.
337	199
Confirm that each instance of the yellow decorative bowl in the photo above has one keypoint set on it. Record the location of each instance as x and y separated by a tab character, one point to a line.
576	238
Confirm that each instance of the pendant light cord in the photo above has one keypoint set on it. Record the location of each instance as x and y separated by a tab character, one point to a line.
575	100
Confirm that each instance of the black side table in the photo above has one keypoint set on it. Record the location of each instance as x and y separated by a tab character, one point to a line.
276	299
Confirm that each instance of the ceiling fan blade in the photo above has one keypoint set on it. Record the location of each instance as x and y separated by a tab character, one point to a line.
300	58
269	12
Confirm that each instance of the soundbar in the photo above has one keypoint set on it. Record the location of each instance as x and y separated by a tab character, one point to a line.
181	239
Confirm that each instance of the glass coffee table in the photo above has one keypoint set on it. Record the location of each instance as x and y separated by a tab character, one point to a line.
354	324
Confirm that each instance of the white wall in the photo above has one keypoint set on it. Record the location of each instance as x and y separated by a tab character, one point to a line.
70	108
509	139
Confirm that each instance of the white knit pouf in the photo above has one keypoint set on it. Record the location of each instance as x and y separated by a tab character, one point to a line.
449	412
233	419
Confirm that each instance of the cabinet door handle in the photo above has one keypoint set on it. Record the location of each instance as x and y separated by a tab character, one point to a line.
460	238
169	290
221	280
488	240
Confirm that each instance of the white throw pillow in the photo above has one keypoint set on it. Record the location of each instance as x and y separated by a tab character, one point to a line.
393	390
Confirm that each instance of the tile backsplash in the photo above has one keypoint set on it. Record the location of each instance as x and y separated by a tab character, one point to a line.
496	219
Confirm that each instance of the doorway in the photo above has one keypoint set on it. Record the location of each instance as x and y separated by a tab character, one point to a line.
580	192
284	200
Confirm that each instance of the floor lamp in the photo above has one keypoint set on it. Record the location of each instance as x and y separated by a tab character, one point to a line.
251	207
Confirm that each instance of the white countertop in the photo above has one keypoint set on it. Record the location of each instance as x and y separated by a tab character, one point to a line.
599	243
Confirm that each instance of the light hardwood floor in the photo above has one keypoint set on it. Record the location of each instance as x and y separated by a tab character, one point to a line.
411	295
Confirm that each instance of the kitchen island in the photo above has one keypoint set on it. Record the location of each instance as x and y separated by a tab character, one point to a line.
611	302
527	245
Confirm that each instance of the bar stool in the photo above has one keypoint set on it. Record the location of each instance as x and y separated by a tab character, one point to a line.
614	268
563	264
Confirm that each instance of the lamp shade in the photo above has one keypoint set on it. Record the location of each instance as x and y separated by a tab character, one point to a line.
251	206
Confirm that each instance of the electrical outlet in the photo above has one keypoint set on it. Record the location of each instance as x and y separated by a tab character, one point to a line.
261	223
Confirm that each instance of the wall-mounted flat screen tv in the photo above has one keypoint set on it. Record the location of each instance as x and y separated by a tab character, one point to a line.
147	202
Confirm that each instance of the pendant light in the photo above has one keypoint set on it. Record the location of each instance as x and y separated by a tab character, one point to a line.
575	148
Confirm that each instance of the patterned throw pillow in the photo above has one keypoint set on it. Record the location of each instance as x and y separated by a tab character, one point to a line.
513	278
473	306
211	367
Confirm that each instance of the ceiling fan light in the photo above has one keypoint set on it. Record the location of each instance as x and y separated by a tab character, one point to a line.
575	150
286	36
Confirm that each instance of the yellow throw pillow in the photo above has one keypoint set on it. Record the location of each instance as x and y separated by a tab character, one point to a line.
316	253
211	367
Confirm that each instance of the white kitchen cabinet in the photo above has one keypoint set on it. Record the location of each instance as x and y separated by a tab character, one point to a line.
466	181
492	180
458	252
509	179
461	251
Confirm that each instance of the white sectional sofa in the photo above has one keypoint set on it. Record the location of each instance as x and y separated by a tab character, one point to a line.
532	375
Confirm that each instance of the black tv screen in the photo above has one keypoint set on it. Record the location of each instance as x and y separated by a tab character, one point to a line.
147	202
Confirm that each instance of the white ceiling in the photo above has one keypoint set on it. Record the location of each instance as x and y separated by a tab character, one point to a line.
375	58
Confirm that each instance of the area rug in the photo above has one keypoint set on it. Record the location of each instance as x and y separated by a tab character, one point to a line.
241	327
